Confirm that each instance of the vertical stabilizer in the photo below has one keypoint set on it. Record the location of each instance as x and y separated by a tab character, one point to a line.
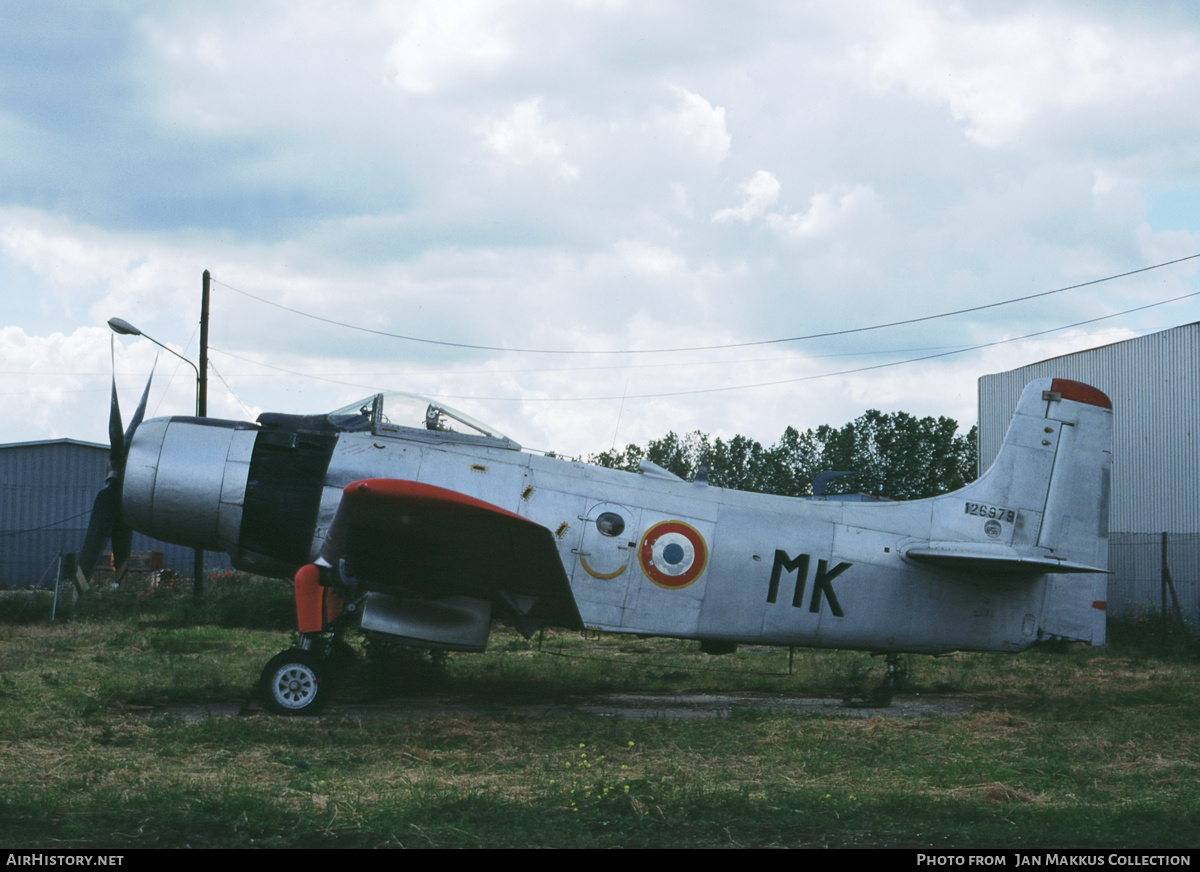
1041	509
1054	469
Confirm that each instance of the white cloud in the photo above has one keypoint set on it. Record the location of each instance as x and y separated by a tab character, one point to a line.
997	72
650	259
58	386
91	272
759	193
1158	246
827	213
61	258
699	124
524	137
337	170
446	42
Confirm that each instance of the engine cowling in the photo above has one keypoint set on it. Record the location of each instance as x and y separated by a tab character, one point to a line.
185	480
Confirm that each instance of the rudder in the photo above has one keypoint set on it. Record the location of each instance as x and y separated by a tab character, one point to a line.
1054	468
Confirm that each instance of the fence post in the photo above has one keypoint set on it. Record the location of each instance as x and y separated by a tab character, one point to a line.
1162	593
1168	584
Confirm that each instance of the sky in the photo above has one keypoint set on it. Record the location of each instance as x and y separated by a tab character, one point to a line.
585	223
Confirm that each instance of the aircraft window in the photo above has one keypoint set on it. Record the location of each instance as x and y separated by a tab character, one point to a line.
409	410
357	416
610	524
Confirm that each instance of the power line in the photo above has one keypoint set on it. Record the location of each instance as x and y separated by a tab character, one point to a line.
8	533
829	374
691	364
953	351
825	335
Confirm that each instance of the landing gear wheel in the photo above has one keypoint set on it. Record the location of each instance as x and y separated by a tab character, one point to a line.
293	683
880	697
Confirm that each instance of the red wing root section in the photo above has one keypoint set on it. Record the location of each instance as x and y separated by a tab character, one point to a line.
406	538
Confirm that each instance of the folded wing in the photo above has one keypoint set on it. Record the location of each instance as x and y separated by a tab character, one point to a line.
417	541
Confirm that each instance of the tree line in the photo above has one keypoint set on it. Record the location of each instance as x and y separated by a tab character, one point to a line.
896	455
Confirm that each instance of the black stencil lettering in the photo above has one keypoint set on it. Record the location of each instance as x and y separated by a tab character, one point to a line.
822	585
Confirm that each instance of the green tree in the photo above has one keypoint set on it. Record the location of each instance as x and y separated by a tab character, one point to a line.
895	455
898	455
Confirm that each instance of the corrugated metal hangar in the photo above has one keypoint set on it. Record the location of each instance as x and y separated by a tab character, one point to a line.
48	489
1152	382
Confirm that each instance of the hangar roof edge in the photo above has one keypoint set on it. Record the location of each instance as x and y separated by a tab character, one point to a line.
53	442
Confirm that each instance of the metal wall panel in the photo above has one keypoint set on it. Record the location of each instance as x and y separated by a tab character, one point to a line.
1136	561
1154	384
46	495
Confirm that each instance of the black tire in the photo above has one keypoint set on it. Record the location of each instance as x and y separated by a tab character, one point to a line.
294	682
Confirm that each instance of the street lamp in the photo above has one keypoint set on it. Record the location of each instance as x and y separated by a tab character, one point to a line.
123	327
120	325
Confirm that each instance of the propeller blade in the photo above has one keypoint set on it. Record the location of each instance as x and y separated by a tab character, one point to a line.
138	415
116	442
105	512
106	522
122	545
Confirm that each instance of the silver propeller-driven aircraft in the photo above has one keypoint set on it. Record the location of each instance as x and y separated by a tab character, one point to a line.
420	526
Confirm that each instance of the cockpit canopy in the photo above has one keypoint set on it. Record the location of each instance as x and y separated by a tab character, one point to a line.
394	410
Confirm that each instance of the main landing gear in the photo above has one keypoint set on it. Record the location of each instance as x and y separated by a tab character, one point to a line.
880	697
300	681
294	683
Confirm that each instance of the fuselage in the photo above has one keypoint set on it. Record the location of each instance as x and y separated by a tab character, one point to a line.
644	553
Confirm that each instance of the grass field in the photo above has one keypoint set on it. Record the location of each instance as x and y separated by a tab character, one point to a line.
1086	748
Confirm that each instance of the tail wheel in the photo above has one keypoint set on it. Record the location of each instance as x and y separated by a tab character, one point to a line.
294	683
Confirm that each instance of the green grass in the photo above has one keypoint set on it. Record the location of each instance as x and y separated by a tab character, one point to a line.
1087	748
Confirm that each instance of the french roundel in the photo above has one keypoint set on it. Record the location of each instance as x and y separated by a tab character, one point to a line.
673	554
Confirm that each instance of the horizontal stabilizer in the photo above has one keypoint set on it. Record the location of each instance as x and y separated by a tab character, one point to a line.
988	557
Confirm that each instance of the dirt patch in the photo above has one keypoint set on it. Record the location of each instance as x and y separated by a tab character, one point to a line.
624	706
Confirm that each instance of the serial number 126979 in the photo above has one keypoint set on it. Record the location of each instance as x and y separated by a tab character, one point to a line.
982	511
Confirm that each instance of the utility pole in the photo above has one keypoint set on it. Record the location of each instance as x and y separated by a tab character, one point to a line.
203	405
198	579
